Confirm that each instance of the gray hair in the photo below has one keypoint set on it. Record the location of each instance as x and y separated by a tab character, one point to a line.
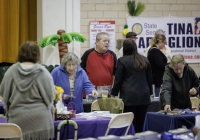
70	56
178	58
98	36
159	31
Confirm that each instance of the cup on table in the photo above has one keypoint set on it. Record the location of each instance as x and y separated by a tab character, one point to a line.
104	93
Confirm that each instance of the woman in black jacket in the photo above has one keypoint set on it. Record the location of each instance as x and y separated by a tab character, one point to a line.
133	78
157	60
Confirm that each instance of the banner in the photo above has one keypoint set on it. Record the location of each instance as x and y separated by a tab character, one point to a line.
102	26
182	34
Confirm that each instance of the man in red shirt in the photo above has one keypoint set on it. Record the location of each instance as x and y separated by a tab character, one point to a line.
99	62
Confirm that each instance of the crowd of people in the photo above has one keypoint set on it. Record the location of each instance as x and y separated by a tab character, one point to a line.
28	88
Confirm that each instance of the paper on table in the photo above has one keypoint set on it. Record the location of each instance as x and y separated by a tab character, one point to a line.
197	122
86	116
107	116
102	112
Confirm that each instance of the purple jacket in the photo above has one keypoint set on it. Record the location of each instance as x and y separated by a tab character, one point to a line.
82	83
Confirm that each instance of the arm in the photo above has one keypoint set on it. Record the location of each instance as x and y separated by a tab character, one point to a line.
165	95
46	87
87	85
118	78
149	77
5	90
195	83
84	58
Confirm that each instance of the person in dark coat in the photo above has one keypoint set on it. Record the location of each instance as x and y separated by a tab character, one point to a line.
179	82
133	79
157	60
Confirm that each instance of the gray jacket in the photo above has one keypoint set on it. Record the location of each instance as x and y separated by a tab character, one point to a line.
175	90
27	97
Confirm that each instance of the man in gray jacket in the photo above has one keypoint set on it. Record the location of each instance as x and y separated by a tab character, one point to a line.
179	83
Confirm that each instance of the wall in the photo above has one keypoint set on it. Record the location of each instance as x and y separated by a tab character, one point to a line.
117	10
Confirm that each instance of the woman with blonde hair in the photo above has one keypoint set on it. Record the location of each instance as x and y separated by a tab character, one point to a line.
165	50
157	60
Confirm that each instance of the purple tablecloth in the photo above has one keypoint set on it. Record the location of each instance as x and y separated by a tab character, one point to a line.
2	120
91	128
161	122
88	128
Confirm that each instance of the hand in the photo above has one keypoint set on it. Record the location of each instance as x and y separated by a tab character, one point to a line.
193	91
94	93
66	97
167	108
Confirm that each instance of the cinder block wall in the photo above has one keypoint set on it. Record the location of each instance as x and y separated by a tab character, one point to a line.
117	10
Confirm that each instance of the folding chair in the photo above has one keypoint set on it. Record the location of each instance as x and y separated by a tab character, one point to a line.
121	120
195	102
65	122
10	130
95	106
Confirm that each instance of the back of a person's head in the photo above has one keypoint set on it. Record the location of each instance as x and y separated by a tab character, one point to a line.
70	56
130	50
129	47
155	40
29	52
178	58
159	31
98	36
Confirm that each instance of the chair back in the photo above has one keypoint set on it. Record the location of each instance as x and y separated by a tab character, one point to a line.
95	106
121	120
195	102
10	130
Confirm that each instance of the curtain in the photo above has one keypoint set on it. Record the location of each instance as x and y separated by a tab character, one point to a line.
18	23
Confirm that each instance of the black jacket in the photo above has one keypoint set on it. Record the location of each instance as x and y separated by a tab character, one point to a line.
175	90
135	86
158	62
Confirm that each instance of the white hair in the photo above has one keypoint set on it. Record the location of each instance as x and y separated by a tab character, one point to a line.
70	56
160	31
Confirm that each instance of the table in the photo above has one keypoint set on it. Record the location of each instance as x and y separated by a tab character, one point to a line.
153	107
162	122
1	109
92	128
88	128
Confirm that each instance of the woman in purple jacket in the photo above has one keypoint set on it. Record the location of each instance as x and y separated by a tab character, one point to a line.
73	79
